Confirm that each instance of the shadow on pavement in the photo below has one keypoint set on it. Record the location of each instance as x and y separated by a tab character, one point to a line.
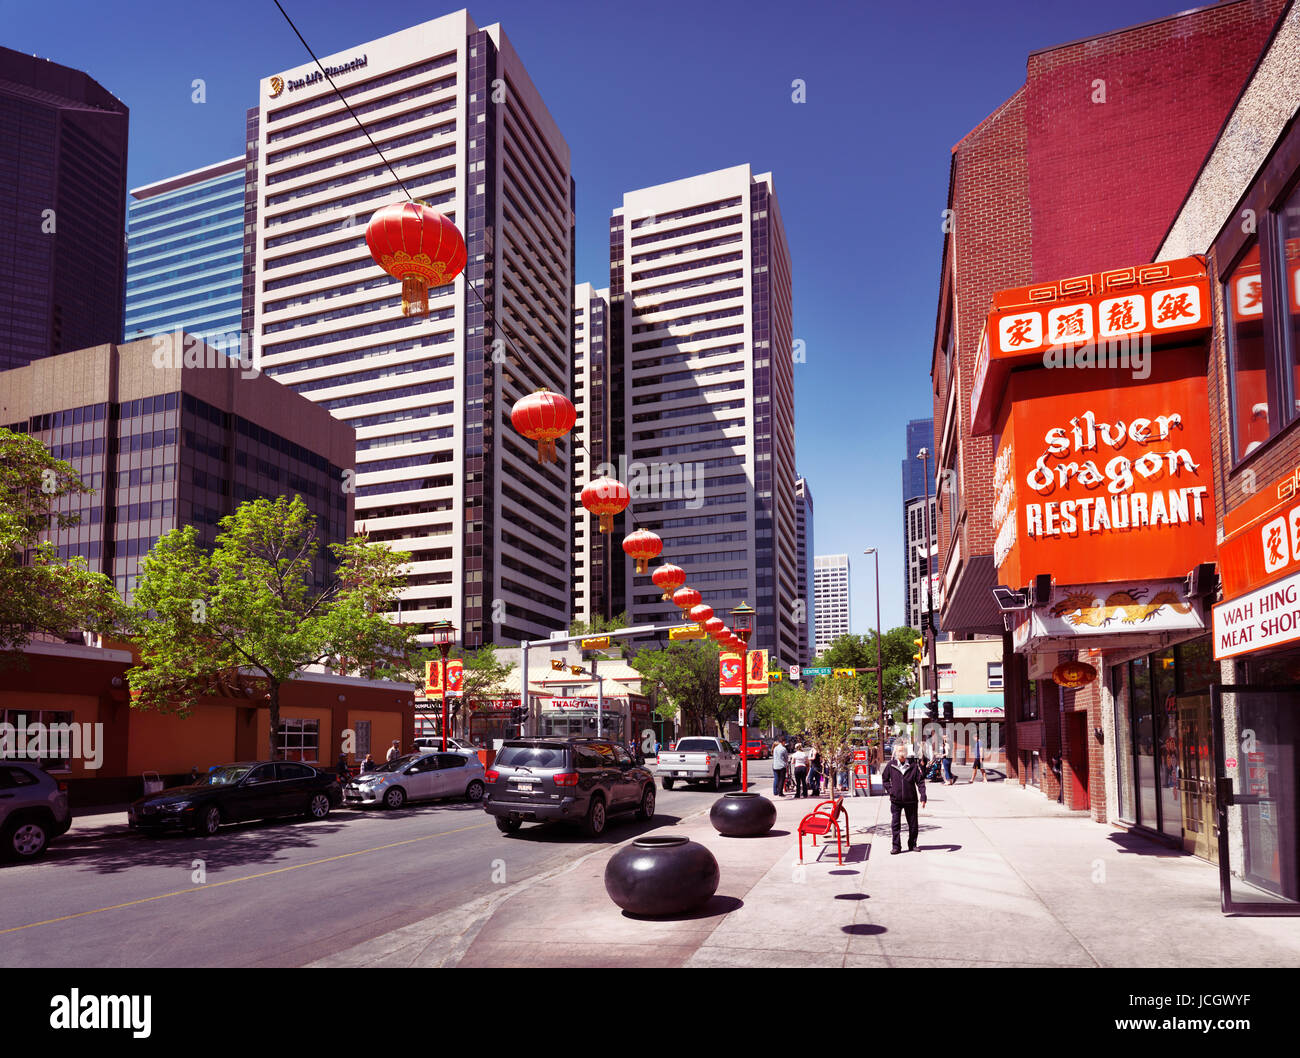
852	896
1143	846
717	905
235	845
864	929
938	848
618	830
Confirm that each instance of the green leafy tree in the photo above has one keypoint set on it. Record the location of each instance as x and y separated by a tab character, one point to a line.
484	673
784	706
687	671
245	616
600	625
831	710
896	649
39	592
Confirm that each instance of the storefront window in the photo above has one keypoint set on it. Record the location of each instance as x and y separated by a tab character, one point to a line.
1165	714
1123	741
1253	421
1144	737
1197	668
300	740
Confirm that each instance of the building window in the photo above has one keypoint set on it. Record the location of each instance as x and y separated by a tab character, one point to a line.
995	675
56	734
1248	367
300	740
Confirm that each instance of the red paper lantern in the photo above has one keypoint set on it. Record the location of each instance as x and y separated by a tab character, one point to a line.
542	417
1073	674
669	578
685	598
418	245
605	497
699	614
714	626
643	545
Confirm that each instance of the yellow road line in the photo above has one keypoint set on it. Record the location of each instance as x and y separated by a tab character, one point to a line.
233	881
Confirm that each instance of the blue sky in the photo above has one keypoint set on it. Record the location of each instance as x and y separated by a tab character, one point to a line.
647	93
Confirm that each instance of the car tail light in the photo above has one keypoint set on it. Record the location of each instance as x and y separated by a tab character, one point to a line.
63	785
707	760
566	778
492	776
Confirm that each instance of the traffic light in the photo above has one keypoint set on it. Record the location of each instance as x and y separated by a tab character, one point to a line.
920	647
947	712
518	714
931	710
557	664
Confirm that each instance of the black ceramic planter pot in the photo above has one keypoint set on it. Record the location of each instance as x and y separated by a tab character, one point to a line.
742	815
661	876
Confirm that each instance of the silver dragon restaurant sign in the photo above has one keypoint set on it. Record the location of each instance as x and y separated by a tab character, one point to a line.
1120	615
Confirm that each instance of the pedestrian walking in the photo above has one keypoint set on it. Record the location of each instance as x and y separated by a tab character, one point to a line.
393	751
979	762
904	782
780	760
800	761
815	772
945	752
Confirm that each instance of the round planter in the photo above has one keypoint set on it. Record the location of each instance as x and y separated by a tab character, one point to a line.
742	815
661	876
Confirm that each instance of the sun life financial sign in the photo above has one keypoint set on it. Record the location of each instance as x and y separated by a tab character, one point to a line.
317	76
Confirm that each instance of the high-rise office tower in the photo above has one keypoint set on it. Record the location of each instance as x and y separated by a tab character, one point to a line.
185	256
920	434
803	565
700	275
62	210
592	596
164	445
831	585
440	471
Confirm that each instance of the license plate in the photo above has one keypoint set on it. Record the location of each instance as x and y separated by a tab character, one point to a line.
681	773
524	787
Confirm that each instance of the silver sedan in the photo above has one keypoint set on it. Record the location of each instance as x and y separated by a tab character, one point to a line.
418	777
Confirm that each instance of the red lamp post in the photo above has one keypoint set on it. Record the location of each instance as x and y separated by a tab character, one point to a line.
742	623
444	634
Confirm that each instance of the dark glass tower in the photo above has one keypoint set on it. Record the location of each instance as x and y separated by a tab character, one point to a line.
62	210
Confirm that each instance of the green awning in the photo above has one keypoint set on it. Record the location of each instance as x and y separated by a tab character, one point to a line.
964	706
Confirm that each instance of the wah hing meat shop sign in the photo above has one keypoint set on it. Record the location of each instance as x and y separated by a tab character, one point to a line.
1104	485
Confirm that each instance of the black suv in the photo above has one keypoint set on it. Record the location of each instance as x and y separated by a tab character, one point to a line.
579	780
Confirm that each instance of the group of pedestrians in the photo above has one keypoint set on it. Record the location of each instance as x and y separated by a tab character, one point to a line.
807	771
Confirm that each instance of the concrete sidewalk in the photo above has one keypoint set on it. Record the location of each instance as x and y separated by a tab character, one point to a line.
1002	877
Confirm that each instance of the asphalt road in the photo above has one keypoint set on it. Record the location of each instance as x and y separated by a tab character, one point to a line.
279	893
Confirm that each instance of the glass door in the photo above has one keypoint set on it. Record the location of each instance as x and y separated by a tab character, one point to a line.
1196	776
1255	764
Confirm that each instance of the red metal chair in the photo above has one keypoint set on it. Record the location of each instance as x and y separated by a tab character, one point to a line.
821	820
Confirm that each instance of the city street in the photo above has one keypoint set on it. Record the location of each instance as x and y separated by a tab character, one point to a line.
280	893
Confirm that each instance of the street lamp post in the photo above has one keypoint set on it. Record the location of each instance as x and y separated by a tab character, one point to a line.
444	634
880	672
742	623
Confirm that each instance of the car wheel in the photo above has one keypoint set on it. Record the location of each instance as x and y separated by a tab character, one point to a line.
507	825
716	782
474	792
594	824
209	823
26	839
319	807
395	797
668	784
647	809
740	776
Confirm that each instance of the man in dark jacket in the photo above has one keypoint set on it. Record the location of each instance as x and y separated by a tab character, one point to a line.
904	782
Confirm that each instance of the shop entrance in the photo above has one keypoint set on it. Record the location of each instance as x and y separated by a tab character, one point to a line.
1196	776
1078	755
1256	775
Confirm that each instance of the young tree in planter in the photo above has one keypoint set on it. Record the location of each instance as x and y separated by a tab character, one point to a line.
688	673
39	592
207	619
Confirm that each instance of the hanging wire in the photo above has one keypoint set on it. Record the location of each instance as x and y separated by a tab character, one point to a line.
519	361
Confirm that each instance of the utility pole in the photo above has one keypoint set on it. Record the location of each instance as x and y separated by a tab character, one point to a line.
931	553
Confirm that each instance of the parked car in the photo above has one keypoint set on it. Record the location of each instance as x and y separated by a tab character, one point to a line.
432	743
700	758
418	777
33	810
233	793
579	780
757	749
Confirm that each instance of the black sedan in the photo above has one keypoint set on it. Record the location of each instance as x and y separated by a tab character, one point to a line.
232	793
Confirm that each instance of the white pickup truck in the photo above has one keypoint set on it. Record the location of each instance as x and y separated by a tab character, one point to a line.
699	758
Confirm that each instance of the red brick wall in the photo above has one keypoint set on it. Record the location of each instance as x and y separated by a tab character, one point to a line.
1106	178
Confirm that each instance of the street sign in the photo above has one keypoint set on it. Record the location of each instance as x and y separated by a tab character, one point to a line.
686	632
794	672
816	672
595	643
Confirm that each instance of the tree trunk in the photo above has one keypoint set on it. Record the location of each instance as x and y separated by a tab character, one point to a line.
273	710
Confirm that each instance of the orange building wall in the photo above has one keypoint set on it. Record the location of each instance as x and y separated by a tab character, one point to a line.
169	744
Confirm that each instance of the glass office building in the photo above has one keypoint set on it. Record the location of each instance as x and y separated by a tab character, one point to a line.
185	256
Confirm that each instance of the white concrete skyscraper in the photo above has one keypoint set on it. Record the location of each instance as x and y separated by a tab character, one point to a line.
831	586
440	471
703	396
